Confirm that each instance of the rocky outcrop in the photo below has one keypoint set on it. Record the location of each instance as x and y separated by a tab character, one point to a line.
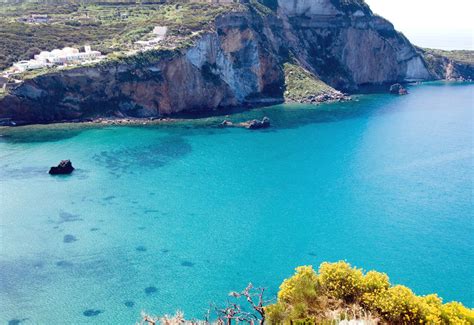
251	125
239	61
398	89
64	168
256	124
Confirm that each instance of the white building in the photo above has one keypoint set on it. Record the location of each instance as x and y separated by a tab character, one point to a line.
159	34
57	57
160	31
68	55
26	65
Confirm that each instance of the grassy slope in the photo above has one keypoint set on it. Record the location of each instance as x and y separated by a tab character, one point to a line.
300	84
109	28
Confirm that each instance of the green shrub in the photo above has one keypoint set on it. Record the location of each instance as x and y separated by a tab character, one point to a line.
300	83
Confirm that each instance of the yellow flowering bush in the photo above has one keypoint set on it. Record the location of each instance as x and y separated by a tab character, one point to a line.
455	313
375	282
311	297
341	281
300	287
397	305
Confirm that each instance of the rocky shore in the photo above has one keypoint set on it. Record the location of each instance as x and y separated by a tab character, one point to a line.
330	97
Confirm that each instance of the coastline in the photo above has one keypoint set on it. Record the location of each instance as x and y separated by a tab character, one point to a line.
225	114
214	118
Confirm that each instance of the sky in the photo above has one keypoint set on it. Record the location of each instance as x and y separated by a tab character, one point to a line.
444	24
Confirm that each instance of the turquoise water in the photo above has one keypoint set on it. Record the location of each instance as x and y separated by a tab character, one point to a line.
167	218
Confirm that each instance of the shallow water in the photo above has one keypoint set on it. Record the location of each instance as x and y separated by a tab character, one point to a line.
174	217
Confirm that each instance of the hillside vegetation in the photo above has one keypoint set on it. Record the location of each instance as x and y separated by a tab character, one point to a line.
106	27
300	84
462	56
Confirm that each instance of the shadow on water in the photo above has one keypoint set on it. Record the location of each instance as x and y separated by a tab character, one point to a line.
69	239
129	303
92	312
282	116
150	290
40	133
17	321
68	217
125	160
24	172
10	172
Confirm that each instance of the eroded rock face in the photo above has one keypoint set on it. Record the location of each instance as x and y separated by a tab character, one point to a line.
344	43
239	63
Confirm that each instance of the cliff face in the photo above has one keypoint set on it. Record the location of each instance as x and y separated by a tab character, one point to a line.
449	65
239	62
348	46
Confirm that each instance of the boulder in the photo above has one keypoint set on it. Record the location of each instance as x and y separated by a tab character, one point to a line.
403	91
226	123
256	124
398	89
64	168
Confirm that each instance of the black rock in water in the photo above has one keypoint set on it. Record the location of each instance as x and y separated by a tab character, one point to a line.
64	168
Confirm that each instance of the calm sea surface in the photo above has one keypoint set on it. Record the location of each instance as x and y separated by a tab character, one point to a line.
173	218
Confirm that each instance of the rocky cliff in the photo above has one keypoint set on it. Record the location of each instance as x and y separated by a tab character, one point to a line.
239	61
449	65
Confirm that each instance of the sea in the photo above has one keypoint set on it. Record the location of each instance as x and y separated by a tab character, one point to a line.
173	217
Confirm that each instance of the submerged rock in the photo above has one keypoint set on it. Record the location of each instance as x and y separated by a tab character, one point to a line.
69	239
64	168
187	263
398	89
129	303
92	312
150	290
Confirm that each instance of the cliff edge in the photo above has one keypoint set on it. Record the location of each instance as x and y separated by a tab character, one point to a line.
240	59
